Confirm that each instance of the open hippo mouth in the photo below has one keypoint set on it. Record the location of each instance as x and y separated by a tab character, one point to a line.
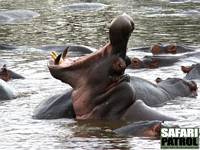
110	61
63	61
70	69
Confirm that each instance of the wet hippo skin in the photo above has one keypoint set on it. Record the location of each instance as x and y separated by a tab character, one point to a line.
57	106
165	90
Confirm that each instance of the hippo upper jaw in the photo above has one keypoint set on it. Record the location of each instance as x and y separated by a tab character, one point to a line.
74	71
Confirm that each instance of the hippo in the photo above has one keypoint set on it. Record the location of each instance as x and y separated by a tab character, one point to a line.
150	129
170	48
152	62
7	74
6	92
7	47
84	7
141	129
164	49
146	93
101	90
184	1
192	72
55	107
14	16
73	49
157	94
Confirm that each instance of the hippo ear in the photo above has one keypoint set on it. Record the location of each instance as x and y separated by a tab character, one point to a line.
155	49
172	48
158	80
186	69
4	68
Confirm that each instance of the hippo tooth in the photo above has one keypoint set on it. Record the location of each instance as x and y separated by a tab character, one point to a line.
64	54
54	55
58	60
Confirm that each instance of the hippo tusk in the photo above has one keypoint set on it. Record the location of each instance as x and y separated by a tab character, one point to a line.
57	58
64	54
54	55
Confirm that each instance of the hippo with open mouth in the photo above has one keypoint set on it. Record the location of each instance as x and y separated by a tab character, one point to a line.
101	90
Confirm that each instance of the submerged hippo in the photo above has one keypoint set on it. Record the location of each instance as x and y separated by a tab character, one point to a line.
164	49
7	47
7	74
73	50
6	92
144	129
84	7
192	72
170	48
14	16
165	90
153	62
141	129
98	80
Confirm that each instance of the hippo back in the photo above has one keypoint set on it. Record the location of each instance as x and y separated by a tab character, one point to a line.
57	106
6	92
148	92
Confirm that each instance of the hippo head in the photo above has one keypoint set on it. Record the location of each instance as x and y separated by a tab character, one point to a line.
159	49
193	71
147	62
96	77
189	88
4	74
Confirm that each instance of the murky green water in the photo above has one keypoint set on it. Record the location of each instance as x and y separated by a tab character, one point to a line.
155	21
